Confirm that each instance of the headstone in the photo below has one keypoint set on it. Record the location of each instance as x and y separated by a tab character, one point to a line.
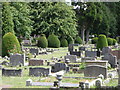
39	71
106	50
70	47
95	71
27	42
97	62
84	59
112	60
29	82
90	53
72	58
82	48
116	53
34	50
36	62
59	66
17	59
11	72
119	73
98	83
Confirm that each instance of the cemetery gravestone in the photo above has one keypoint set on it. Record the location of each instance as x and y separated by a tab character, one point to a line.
106	50
34	51
82	48
27	42
39	71
112	60
11	72
95	71
97	62
36	62
90	53
17	59
59	66
116	53
72	58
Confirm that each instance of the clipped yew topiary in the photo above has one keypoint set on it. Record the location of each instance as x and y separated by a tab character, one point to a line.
102	42
42	41
10	44
110	41
94	40
53	41
118	39
114	41
70	40
63	42
78	40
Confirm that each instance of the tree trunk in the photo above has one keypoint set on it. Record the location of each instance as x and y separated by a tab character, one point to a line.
87	36
83	35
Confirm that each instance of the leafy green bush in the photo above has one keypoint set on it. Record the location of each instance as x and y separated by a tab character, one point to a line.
10	44
53	41
63	42
78	40
110	41
118	39
94	40
102	42
70	40
20	40
114	41
42	41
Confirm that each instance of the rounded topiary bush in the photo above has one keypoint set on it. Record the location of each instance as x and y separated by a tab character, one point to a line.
94	40
114	41
118	39
10	44
110	41
63	42
78	40
53	41
102	42
42	41
70	40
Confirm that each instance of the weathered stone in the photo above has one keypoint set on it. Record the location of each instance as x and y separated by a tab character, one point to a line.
29	82
34	50
72	58
112	60
95	71
90	53
17	59
59	66
11	72
39	71
106	50
97	62
36	62
27	42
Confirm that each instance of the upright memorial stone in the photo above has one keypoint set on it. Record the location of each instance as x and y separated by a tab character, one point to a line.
17	59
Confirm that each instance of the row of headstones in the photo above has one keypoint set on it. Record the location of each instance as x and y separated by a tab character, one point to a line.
37	71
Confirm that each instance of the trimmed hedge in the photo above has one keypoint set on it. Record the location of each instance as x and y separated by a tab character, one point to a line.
63	42
118	39
70	40
53	41
114	41
102	42
10	44
110	41
94	40
42	41
78	40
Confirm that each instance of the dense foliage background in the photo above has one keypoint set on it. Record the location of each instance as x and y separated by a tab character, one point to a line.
92	18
